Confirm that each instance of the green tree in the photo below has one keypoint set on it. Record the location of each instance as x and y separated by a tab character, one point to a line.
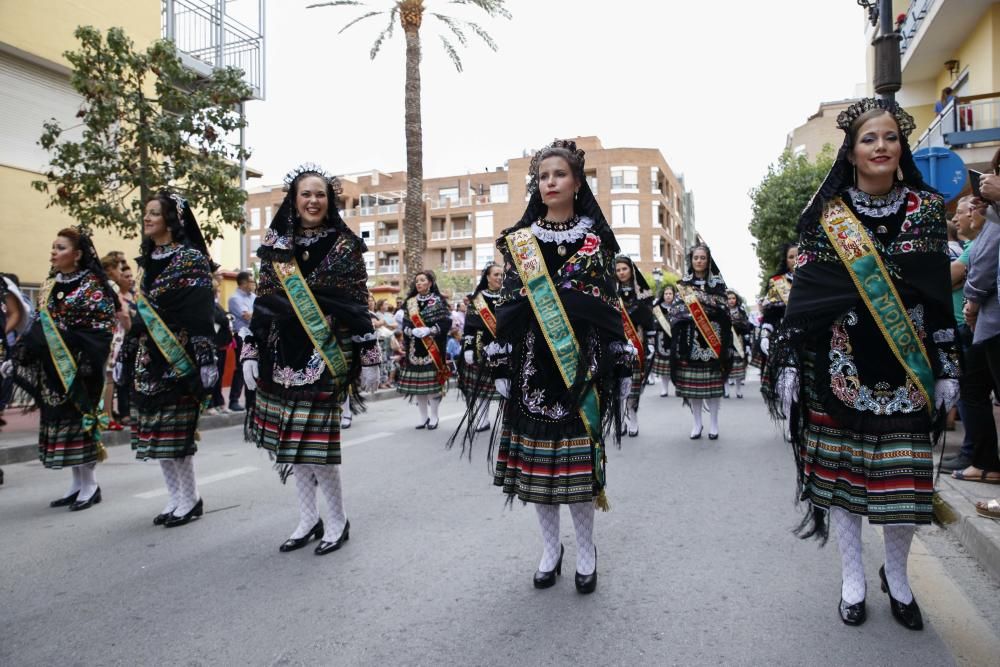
410	14
147	123
778	201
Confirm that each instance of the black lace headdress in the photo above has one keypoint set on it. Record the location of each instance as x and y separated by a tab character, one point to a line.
639	284
714	274
483	280
182	225
279	242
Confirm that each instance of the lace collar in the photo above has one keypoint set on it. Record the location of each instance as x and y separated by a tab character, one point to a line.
164	251
309	237
70	277
877	206
550	235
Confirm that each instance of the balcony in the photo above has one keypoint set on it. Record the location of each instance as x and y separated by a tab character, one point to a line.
388	269
439	235
463	233
207	38
964	122
931	33
390	239
461	264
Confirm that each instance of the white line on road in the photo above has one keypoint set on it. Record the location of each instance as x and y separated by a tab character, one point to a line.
202	481
367	438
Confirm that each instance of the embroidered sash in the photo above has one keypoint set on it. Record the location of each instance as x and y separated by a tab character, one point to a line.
164	338
487	316
94	419
782	287
738	344
413	310
854	247
558	333
311	318
700	318
662	319
632	334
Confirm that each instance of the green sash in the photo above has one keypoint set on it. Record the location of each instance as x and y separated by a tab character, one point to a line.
856	250
94	419
164	338
311	318
559	336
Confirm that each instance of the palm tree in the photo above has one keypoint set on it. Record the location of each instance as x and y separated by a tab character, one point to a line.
410	14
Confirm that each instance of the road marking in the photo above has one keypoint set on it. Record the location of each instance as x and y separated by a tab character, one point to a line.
367	438
202	481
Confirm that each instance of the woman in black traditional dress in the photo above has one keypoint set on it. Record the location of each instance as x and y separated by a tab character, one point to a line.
774	301
702	336
426	322
172	343
742	331
559	294
868	346
310	341
662	337
479	332
637	298
61	363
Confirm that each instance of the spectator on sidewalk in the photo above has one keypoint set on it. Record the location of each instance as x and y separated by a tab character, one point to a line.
241	310
223	341
976	383
982	316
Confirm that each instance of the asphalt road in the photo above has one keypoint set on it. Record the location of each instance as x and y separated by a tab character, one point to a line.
697	563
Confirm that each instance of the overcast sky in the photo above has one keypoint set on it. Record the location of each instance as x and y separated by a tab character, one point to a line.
716	86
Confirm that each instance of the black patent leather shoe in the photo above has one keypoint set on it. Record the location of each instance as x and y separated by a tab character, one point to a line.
908	615
697	435
63	502
294	543
713	436
852	614
424	425
325	547
633	434
430	426
587	583
548	579
86	504
161	519
173	521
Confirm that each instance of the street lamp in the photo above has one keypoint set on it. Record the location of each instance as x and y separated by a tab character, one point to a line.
888	73
658	277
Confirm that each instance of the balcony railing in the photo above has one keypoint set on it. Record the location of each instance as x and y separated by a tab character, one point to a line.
461	233
391	239
207	39
459	265
388	268
911	25
439	235
966	120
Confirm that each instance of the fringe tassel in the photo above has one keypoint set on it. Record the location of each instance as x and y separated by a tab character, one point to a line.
601	502
102	452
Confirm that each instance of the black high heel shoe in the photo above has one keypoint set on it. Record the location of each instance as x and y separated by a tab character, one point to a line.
548	579
587	583
325	547
85	504
63	502
194	513
424	425
293	543
697	435
161	519
713	436
908	615
431	427
852	614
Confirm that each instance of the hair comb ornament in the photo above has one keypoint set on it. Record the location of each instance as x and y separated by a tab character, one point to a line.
313	169
847	117
180	203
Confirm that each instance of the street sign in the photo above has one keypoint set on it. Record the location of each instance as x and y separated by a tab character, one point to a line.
943	170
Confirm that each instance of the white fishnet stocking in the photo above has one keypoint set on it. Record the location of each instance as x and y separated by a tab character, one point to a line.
548	520
583	522
305	490
848	527
897	551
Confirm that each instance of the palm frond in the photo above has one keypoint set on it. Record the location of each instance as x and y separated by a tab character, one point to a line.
385	34
483	35
452	25
491	7
335	3
452	53
360	18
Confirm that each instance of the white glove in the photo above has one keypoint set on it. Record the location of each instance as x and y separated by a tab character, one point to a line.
369	378
209	376
420	332
250	374
788	385
946	393
116	373
650	350
7	368
503	387
468	357
765	344
625	388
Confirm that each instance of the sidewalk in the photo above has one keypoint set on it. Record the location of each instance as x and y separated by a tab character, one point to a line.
955	508
19	439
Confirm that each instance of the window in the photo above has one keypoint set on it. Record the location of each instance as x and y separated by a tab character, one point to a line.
484	223
656	213
630	245
484	255
498	193
255	218
369	262
367	232
624	213
254	244
624	179
448	193
592	182
654	179
267	216
460	259
657	249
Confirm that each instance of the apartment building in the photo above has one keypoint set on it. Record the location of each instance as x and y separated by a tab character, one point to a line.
644	201
819	130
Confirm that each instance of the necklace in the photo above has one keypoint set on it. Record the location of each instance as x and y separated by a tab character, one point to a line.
877	206
562	232
63	278
162	251
309	236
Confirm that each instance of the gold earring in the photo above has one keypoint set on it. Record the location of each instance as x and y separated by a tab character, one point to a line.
899	173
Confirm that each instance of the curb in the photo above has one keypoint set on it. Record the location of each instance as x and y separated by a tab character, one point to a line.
27	448
955	508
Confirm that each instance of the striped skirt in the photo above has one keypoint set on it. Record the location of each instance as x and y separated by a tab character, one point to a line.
474	384
166	431
887	477
300	427
661	364
696	379
418	380
63	443
739	370
546	470
638	384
